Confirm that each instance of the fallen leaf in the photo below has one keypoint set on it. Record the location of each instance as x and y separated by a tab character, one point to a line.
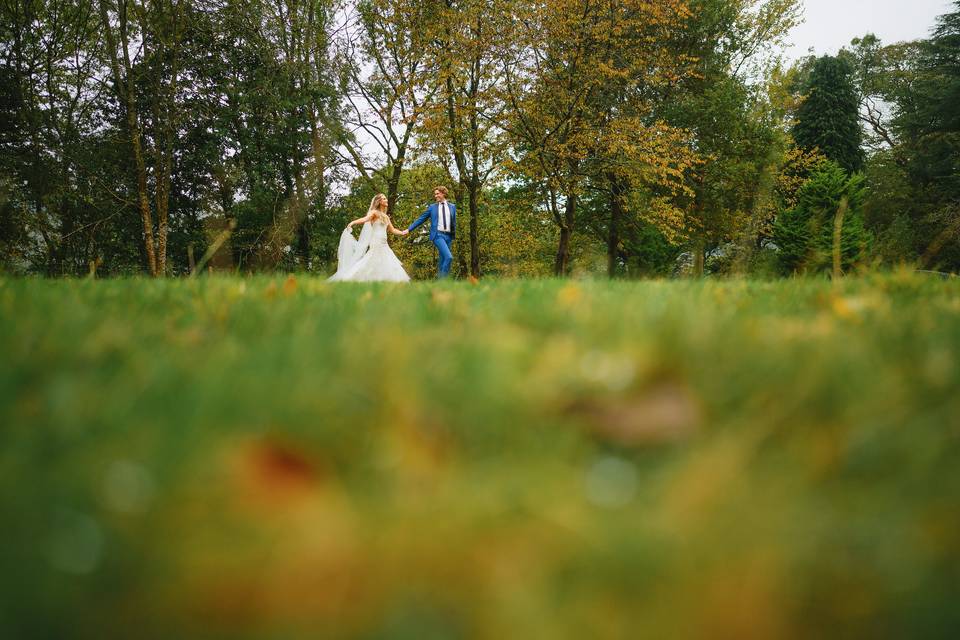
290	286
661	414
275	471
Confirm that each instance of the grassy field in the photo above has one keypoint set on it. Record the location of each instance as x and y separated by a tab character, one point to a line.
283	458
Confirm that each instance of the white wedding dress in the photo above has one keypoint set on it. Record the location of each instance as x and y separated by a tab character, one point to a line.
368	258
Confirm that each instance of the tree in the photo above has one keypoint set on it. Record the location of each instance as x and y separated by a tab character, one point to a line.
878	73
928	123
158	26
581	77
389	81
910	93
50	105
828	117
735	123
463	126
260	155
806	234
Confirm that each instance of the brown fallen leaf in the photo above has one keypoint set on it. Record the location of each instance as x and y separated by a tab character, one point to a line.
269	470
290	286
664	413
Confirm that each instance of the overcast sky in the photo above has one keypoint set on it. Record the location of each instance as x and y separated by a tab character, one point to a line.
831	24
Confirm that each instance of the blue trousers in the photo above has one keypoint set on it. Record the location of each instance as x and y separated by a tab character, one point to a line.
443	242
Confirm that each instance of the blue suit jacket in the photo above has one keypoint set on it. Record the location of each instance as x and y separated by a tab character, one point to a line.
432	212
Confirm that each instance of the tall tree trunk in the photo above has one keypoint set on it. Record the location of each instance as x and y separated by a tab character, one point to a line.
125	91
317	179
613	233
165	162
466	138
561	266
475	177
281	221
302	224
163	216
560	263
474	227
393	185
698	257
142	196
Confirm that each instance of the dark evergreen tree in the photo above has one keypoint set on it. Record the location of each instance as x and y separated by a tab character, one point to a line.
804	234
828	117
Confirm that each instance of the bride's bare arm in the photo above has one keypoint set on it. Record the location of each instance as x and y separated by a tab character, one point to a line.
364	219
393	229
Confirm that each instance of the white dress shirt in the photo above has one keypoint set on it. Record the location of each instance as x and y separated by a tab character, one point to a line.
443	217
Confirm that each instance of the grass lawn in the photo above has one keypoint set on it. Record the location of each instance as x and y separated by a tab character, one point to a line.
285	458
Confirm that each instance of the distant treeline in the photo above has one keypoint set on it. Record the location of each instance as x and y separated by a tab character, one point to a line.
578	136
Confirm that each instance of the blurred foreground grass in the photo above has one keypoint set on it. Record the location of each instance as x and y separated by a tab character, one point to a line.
271	458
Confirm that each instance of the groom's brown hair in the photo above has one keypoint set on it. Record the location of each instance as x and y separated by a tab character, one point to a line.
442	189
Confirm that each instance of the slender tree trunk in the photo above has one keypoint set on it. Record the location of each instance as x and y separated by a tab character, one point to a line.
318	180
474	227
165	164
283	220
467	147
303	228
125	89
52	248
697	216
163	217
143	197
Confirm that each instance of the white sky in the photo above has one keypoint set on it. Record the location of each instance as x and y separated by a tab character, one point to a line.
831	24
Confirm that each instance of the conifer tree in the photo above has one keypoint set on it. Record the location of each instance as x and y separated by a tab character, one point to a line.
828	118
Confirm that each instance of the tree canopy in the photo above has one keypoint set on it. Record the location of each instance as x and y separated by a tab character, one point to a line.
631	137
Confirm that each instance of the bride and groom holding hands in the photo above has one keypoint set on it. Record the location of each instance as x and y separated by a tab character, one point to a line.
369	257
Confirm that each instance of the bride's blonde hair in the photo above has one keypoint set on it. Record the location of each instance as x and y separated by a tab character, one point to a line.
378	207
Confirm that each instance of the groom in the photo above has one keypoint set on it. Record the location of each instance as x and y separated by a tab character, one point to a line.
443	227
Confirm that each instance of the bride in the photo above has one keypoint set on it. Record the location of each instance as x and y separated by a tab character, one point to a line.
355	262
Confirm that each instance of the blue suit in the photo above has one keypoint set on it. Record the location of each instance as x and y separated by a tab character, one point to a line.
440	239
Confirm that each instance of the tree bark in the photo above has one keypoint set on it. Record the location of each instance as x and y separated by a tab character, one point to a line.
299	205
474	227
561	265
168	125
125	92
393	185
698	257
616	215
